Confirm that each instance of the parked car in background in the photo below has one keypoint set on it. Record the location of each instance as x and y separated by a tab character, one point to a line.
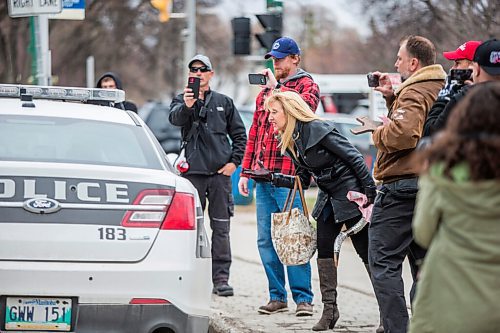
97	232
155	115
246	113
363	142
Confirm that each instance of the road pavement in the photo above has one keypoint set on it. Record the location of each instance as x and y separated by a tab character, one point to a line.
357	303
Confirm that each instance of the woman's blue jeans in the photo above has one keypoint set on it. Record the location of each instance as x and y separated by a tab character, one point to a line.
271	199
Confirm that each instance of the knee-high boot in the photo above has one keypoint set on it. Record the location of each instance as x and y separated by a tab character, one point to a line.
328	286
380	328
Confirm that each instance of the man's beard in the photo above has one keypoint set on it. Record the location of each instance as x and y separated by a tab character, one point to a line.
282	74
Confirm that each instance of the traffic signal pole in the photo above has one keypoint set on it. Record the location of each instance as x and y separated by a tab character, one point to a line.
275	7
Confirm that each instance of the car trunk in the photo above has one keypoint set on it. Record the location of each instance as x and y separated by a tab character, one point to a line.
77	216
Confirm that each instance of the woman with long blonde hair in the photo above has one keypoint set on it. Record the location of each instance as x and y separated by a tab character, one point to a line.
319	150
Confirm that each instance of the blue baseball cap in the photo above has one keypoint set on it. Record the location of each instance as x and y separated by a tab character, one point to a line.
283	47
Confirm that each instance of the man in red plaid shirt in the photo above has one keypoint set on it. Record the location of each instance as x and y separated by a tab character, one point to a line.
262	152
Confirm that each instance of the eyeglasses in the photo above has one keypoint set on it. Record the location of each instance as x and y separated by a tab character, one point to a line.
202	69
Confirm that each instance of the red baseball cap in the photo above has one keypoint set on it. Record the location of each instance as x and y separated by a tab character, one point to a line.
464	51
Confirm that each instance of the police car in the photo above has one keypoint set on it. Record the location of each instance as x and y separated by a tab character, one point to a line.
97	232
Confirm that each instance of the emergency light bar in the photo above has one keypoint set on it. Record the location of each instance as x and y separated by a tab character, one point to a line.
63	93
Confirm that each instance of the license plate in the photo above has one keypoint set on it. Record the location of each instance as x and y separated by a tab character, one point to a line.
38	313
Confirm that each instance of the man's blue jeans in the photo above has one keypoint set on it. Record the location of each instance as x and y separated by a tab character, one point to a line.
271	199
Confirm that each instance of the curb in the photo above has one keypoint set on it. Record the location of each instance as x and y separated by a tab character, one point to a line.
220	324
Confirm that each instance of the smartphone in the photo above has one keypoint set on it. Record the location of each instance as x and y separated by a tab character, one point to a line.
461	75
372	80
194	84
260	79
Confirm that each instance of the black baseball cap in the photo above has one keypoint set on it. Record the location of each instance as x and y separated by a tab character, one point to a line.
488	56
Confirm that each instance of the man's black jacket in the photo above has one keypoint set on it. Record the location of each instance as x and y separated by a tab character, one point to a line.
209	149
440	111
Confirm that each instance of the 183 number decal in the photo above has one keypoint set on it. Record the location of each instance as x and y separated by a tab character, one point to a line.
112	233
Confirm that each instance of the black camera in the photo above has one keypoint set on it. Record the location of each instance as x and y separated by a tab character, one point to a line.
372	80
461	75
203	113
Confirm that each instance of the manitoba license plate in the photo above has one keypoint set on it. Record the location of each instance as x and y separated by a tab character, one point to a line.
38	313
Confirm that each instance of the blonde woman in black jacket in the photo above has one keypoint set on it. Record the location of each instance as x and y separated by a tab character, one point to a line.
318	149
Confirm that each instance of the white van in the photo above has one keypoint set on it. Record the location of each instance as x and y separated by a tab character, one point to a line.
349	94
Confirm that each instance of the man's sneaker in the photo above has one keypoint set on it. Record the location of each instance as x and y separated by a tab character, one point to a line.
304	309
273	307
223	289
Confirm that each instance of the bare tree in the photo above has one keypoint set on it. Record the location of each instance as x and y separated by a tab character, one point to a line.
448	23
123	36
14	41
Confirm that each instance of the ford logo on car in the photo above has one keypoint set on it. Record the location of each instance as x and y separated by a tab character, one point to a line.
42	205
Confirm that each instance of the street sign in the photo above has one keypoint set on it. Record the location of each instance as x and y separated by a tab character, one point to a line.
72	10
21	8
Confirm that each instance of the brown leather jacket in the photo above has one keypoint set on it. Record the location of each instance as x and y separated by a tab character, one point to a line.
408	109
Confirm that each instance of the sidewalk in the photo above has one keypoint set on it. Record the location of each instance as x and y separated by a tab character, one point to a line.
357	304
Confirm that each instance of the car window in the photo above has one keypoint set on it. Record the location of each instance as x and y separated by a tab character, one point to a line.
68	140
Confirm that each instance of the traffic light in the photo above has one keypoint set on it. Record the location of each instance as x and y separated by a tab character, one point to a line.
273	25
164	7
241	35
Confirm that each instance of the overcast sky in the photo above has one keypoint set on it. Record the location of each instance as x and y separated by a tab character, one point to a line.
347	12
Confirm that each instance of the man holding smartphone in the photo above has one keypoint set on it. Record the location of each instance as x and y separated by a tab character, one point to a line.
207	119
462	58
262	152
390	233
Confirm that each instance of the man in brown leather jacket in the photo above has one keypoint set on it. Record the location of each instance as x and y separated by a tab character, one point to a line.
390	233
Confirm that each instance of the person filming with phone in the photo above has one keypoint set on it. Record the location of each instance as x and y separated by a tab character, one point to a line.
483	67
459	78
208	120
262	151
390	236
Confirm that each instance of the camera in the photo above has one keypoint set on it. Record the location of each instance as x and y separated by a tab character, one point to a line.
372	80
461	75
203	113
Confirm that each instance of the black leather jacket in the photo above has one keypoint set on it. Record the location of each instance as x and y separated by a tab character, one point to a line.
217	121
335	164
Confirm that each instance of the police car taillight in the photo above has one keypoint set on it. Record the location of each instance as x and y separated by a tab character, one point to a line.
165	209
181	213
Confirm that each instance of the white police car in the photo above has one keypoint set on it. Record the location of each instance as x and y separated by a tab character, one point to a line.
97	233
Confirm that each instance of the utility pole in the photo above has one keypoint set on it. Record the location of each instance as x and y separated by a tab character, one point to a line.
90	71
190	31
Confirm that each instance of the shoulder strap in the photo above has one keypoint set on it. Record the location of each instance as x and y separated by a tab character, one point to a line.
190	134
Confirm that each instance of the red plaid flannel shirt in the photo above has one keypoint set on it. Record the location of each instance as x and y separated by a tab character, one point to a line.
262	144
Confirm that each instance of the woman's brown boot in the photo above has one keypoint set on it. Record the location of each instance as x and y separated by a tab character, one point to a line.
328	285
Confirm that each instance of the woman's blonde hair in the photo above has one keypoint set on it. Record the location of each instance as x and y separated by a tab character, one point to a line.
295	109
